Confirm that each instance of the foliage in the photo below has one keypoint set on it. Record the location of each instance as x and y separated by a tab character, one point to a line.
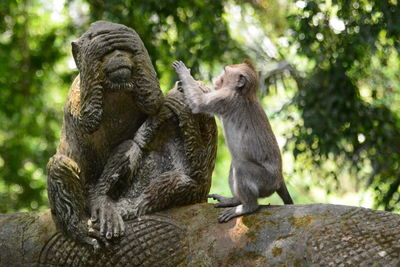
345	113
192	31
29	122
33	88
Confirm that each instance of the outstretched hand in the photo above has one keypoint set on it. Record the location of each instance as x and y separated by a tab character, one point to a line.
180	68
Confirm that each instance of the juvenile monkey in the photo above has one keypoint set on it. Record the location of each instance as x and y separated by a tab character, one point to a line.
256	167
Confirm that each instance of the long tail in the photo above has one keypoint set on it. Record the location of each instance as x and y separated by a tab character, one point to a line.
284	194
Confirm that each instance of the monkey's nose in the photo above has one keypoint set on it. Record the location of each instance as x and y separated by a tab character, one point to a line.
118	53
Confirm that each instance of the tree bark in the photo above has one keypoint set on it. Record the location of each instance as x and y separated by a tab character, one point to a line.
293	235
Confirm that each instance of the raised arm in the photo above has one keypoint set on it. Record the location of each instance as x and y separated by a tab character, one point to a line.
198	100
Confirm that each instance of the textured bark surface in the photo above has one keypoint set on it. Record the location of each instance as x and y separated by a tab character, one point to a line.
296	235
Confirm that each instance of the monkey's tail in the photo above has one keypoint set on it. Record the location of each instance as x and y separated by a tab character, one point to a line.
284	194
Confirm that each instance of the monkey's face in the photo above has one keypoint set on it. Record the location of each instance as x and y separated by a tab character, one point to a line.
107	53
113	62
229	78
118	69
240	77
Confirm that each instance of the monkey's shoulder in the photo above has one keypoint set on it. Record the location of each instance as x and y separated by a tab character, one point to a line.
73	103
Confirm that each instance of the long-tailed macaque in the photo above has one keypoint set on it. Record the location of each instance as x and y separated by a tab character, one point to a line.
256	168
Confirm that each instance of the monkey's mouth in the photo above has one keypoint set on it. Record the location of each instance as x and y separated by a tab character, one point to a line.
119	74
119	78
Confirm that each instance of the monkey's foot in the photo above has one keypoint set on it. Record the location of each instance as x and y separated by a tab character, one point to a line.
229	213
96	240
224	201
106	217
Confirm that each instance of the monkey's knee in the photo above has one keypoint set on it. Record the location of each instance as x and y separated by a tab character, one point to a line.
60	167
65	192
170	189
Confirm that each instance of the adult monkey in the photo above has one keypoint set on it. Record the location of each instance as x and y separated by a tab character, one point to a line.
125	149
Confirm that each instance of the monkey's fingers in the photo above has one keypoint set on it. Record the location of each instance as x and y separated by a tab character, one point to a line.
94	215
109	225
116	228
121	227
176	64
98	237
215	197
179	65
227	215
93	243
103	222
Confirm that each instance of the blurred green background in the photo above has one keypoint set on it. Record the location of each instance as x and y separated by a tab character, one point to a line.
329	83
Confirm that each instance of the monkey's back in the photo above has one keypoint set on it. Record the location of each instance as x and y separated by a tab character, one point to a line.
249	134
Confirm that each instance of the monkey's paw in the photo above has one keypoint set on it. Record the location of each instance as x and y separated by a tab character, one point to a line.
227	214
105	214
180	68
96	240
224	201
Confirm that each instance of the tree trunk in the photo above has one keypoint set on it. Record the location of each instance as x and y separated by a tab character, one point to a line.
294	235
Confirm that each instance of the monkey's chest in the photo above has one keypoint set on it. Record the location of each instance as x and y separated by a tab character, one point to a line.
121	119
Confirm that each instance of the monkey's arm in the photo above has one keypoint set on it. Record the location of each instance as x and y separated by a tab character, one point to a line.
117	174
67	199
198	100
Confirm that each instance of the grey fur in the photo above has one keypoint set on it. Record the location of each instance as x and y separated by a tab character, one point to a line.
256	168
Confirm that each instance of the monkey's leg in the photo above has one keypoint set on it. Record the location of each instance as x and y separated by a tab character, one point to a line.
246	193
67	199
170	189
116	177
226	201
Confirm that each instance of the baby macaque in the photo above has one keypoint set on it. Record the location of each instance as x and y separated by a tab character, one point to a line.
256	167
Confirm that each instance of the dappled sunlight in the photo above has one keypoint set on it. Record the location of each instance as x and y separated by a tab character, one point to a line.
239	230
329	85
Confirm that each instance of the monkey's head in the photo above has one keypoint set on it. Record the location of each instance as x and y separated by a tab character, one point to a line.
242	78
112	57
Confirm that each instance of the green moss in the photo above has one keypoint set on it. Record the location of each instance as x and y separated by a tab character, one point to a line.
276	251
300	221
264	212
251	220
285	236
245	258
254	222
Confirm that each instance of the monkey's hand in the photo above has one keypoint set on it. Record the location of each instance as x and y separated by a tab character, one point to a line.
106	218
95	239
224	201
181	69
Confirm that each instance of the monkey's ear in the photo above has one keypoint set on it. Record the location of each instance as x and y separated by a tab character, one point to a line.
241	81
249	64
75	53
